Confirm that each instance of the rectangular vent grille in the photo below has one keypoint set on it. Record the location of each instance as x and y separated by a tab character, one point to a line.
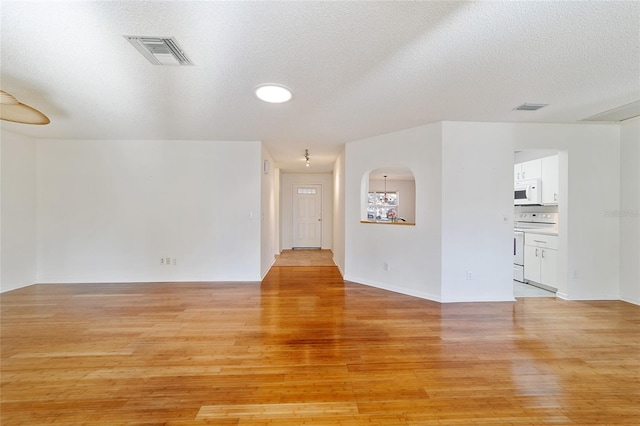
160	50
530	107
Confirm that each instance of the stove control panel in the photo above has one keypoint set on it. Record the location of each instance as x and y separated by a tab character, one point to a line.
550	218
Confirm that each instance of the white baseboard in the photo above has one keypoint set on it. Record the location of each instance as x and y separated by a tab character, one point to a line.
264	273
632	301
408	292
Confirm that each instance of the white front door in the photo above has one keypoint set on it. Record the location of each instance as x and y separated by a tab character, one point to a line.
307	215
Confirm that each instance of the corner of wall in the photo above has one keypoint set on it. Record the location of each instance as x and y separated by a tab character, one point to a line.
338	247
18	258
630	211
270	210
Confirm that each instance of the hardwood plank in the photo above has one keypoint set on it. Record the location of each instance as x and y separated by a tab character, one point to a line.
305	347
279	411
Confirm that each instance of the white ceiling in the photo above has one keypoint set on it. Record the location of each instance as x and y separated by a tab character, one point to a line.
357	69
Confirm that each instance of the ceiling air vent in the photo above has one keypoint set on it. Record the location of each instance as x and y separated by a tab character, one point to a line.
620	113
160	50
530	107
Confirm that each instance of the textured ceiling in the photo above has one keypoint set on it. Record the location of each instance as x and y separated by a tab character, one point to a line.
357	69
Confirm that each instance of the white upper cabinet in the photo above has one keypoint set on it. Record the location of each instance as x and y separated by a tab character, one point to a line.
544	168
527	170
550	183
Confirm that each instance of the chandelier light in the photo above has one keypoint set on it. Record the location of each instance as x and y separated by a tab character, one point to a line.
386	199
306	157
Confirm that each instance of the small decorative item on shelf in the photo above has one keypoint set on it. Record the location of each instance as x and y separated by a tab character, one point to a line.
391	214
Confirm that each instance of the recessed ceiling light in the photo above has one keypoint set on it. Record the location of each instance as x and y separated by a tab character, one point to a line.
273	93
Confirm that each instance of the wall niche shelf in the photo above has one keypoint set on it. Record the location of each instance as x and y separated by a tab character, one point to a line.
388	223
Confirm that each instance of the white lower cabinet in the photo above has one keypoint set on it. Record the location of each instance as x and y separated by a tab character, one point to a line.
541	259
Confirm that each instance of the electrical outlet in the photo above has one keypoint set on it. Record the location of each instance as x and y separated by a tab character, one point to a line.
175	261
469	275
162	260
385	266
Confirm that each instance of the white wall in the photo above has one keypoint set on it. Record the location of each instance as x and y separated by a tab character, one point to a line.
18	261
589	187
406	195
287	180
338	212
412	252
468	170
477	213
630	211
269	213
464	214
109	210
589	238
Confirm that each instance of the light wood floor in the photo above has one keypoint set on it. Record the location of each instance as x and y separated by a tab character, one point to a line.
303	347
305	258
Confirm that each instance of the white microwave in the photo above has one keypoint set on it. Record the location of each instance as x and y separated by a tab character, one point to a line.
527	192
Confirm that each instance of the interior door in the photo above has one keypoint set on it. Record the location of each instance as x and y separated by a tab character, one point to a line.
307	216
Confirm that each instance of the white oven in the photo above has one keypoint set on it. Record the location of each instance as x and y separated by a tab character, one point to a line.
527	192
526	221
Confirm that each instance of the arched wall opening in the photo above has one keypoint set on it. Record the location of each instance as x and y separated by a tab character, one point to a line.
388	195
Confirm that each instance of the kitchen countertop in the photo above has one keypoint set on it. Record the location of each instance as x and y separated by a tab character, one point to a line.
543	231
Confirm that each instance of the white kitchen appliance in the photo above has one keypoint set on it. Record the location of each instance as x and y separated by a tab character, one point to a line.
527	192
523	222
518	256
536	220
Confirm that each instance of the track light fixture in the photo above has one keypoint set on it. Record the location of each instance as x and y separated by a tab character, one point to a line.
306	157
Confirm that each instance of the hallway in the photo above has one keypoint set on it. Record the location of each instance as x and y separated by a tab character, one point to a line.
304	258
